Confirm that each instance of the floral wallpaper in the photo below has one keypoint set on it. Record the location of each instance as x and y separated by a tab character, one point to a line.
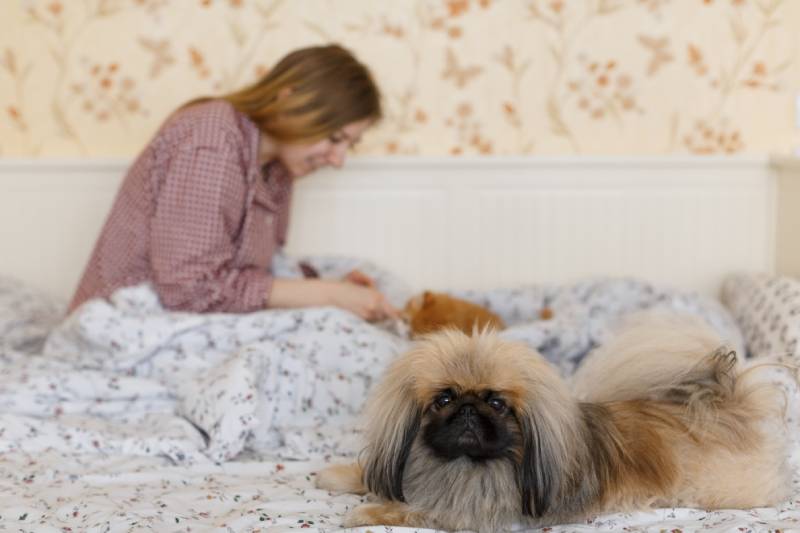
550	77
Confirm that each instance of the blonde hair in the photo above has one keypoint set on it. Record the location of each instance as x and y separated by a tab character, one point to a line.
310	94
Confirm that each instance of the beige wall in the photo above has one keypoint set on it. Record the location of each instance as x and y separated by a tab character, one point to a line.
96	77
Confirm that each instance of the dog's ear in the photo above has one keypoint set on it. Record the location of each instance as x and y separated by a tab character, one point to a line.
428	299
540	470
393	423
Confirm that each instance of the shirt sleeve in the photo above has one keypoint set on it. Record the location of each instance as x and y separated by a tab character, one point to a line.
283	219
200	207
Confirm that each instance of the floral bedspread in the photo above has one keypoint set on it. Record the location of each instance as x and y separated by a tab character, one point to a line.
125	416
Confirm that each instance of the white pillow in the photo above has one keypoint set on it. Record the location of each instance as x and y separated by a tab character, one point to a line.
767	309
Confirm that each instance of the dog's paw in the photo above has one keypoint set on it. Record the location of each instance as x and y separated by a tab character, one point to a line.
386	514
363	515
341	479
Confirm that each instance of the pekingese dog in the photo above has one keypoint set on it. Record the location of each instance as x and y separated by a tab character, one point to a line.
482	434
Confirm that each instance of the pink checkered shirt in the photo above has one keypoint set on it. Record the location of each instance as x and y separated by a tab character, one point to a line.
195	216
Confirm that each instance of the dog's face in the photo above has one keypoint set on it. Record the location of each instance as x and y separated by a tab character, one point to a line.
472	394
479	424
454	396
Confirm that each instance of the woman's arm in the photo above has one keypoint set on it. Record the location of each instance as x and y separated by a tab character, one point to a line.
366	302
200	205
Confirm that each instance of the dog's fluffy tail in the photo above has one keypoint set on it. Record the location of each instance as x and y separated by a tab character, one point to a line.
678	359
650	352
665	357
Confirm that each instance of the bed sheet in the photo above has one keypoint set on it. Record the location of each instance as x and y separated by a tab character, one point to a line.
55	491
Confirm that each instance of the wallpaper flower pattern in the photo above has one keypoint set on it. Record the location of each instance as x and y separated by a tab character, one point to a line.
97	77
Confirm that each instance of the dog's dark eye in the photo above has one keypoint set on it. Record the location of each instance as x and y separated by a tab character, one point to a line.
443	399
497	404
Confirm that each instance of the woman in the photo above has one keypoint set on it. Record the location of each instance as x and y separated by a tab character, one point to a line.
206	204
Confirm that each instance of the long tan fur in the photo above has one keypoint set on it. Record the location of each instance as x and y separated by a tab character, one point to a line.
670	421
433	311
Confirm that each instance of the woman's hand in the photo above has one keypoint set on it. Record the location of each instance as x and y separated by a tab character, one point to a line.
365	301
362	300
359	278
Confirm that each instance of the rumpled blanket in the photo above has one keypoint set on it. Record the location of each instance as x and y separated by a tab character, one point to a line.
124	375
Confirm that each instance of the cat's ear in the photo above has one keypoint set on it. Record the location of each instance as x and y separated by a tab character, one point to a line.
427	299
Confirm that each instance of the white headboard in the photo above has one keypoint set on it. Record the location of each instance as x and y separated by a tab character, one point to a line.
454	222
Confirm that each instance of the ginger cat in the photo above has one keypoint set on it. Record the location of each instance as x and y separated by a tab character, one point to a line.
432	311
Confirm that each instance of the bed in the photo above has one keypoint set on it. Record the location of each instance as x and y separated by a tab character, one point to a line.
162	427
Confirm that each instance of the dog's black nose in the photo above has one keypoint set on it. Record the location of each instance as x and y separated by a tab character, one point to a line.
468	411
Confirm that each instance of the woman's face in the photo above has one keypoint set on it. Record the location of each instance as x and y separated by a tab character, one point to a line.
303	159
